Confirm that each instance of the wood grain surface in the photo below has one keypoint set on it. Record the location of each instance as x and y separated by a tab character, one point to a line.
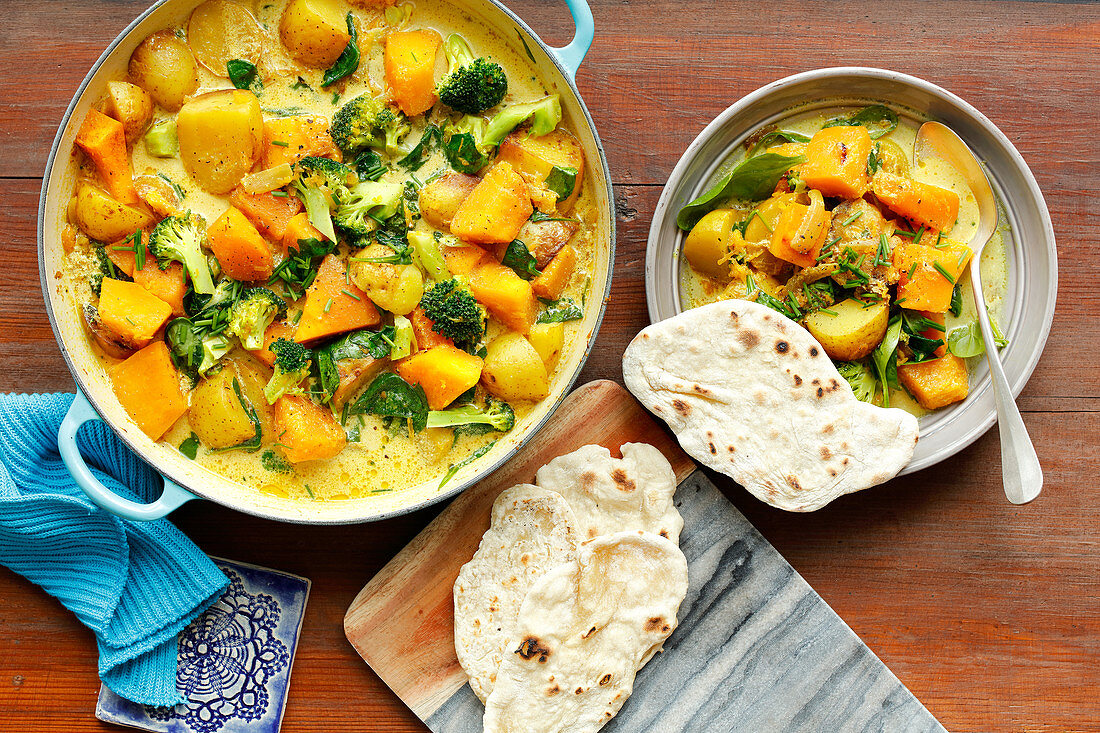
988	612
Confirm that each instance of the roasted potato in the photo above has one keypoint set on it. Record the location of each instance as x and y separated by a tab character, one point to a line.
707	246
221	137
396	288
219	31
855	330
163	66
104	219
315	32
219	412
547	339
440	199
513	369
131	105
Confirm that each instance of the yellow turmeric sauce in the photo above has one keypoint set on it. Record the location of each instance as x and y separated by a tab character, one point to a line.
375	460
697	289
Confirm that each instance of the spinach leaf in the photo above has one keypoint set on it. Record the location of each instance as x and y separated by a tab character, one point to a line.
966	341
190	446
751	179
559	311
463	154
243	74
418	156
956	300
874	162
520	259
465	462
878	120
348	60
391	396
885	357
357	345
369	166
562	180
787	136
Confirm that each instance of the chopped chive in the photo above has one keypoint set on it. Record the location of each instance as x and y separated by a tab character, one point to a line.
899	301
942	271
297	317
280	143
942	245
851	218
756	213
280	194
350	294
919	235
912	270
830	312
328	305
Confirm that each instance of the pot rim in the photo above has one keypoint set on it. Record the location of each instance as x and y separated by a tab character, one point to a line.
563	74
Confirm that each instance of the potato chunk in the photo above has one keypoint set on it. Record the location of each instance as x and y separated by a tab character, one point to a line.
221	137
104	219
440	199
131	105
163	66
855	330
315	32
514	370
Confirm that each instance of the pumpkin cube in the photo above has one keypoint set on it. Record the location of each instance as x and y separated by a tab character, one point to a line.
307	431
556	275
148	386
131	311
928	275
922	203
508	297
269	213
241	251
409	62
936	383
495	210
443	371
836	161
334	305
289	139
537	157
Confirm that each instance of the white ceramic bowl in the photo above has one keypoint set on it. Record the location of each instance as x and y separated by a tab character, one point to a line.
1032	259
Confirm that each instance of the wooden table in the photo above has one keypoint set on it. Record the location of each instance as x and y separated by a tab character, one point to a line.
990	613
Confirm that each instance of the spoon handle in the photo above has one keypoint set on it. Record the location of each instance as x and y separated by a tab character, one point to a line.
1020	470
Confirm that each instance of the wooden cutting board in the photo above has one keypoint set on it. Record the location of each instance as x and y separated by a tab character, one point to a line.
756	649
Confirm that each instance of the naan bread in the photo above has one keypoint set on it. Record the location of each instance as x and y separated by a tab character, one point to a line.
583	632
752	394
614	495
532	530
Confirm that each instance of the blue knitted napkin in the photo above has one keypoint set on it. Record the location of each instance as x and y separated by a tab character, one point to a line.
136	585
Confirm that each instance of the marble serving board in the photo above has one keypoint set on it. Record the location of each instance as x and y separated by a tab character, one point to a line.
756	649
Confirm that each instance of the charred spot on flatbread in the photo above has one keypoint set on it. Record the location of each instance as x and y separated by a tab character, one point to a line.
826	454
605	680
782	347
797	381
622	481
813	351
681	407
748	339
531	648
792	481
553	690
657	624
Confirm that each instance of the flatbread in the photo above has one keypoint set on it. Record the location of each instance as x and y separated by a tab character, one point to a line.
752	394
532	530
583	632
614	495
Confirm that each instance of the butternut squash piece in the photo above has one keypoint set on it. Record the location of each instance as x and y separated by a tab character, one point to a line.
289	139
936	333
443	371
409	62
274	332
441	198
169	284
426	336
241	251
462	259
131	105
131	311
270	214
103	140
556	275
936	383
508	297
495	210
538	156
922	203
800	231
306	431
148	387
299	228
928	275
334	305
836	161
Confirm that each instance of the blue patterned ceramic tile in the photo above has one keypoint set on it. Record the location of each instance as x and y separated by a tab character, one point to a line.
234	660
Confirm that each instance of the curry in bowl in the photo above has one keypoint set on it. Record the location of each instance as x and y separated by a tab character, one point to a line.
330	250
824	219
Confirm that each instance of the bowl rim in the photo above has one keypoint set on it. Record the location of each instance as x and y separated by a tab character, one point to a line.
662	213
270	512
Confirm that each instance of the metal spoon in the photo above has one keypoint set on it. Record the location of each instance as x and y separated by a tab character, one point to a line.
1020	470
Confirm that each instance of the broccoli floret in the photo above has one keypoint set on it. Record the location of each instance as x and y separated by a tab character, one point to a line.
214	349
366	122
291	367
250	316
497	415
544	114
319	183
365	204
473	84
179	239
862	379
455	313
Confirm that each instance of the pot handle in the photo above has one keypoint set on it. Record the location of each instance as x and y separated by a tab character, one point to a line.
572	55
170	499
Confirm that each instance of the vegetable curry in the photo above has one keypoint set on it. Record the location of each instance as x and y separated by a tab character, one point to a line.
825	220
330	249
